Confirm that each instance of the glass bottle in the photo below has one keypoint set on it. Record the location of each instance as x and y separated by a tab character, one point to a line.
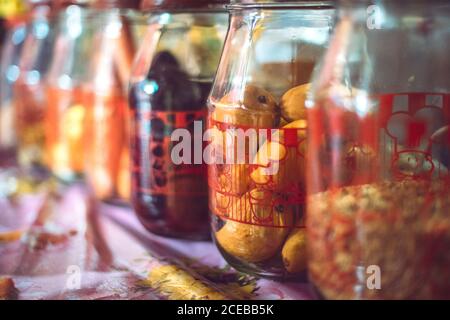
29	89
379	154
9	66
117	31
257	120
170	82
65	111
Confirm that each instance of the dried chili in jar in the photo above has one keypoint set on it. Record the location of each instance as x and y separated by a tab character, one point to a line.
378	208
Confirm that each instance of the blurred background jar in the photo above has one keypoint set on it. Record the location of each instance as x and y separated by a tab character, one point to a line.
14	38
378	216
257	179
29	90
170	82
117	30
65	111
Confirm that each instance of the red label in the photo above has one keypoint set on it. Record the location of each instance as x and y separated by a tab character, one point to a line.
267	189
415	125
155	171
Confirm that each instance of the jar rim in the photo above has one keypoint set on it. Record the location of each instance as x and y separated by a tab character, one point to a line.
115	4
280	4
183	5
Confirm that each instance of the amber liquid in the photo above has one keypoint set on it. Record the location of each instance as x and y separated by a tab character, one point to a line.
64	118
168	199
106	145
29	121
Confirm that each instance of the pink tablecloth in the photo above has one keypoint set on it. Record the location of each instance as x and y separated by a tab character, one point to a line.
66	246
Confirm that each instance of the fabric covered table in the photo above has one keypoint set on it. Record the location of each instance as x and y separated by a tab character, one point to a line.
64	245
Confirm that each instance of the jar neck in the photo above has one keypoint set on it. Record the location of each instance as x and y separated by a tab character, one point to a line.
41	12
204	18
291	5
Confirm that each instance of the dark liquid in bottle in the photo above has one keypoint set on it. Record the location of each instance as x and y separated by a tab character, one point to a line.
169	199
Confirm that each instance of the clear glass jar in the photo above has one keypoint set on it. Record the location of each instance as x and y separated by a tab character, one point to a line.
117	31
29	88
65	112
9	66
378	220
172	77
257	120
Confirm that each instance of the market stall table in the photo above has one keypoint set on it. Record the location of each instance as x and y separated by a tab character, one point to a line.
64	245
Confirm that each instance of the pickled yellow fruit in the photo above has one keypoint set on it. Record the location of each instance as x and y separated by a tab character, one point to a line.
294	251
102	183
248	241
283	123
220	202
66	152
258	109
124	176
231	178
234	179
279	167
293	103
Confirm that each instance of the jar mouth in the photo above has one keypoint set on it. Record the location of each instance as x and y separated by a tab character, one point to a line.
279	4
185	6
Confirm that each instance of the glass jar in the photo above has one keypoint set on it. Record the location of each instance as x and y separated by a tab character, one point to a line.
172	77
65	111
117	30
29	89
34	63
378	219
10	56
257	125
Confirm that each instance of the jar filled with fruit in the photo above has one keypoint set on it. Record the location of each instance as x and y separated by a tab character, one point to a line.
64	112
257	133
11	48
170	82
117	29
378	217
29	94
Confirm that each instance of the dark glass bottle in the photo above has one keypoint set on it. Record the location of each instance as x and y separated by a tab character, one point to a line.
170	83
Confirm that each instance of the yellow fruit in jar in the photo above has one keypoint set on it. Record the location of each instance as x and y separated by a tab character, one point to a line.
234	179
102	182
294	251
293	103
231	178
283	123
220	202
124	177
279	166
73	122
248	241
257	109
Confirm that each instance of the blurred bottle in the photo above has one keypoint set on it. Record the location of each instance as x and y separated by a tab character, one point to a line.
9	65
116	32
172	77
378	177
65	111
30	99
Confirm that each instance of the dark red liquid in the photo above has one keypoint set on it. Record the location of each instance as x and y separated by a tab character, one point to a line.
169	199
